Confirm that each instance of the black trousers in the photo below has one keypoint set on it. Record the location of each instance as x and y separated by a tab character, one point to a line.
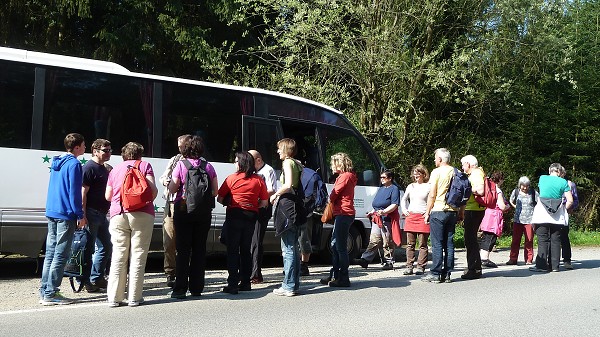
256	247
548	255
565	243
239	231
190	242
471	223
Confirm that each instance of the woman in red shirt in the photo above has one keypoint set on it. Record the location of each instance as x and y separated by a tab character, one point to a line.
248	193
342	198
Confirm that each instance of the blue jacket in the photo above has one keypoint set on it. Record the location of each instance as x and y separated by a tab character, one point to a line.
64	190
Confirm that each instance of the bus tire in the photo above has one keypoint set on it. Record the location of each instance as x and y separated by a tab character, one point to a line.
355	241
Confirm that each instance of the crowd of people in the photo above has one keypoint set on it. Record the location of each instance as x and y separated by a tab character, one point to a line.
81	197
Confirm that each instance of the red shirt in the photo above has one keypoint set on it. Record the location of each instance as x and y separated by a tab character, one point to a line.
342	195
245	192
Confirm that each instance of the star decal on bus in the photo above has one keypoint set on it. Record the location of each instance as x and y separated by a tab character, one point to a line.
156	208
46	159
83	161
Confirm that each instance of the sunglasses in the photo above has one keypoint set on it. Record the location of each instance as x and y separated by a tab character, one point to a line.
105	150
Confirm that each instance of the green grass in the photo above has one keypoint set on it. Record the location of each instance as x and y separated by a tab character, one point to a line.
578	238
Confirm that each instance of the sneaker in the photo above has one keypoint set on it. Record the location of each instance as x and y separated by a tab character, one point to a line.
325	280
362	262
407	271
387	266
447	279
511	262
488	264
180	295
230	290
538	270
471	275
338	283
136	303
304	269
114	304
420	271
282	292
568	265
528	263
432	278
58	299
170	281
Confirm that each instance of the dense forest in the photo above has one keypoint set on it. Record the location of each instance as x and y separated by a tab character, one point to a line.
513	82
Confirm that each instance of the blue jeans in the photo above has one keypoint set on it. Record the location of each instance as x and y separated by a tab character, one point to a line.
291	259
58	248
339	245
442	226
98	225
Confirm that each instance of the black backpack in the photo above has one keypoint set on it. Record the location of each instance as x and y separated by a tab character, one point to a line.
198	190
82	249
459	191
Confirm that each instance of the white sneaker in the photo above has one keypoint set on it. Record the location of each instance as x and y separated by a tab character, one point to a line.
136	303
282	292
113	304
58	299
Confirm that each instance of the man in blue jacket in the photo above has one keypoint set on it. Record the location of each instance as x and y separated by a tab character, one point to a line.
63	210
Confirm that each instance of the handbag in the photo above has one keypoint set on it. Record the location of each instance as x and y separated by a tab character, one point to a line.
327	216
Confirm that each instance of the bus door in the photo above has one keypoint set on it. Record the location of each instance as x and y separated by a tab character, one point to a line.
262	134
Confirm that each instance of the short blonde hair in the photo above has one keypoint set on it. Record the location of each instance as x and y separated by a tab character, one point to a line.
287	146
342	162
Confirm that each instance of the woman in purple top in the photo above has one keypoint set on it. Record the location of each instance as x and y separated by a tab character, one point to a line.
191	227
130	231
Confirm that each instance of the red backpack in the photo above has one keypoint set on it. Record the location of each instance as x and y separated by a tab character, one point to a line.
135	192
490	194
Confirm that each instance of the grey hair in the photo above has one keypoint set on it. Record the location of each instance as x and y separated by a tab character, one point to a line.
555	167
444	154
524	181
469	159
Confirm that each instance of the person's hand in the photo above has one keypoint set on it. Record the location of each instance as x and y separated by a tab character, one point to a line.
426	217
406	213
273	198
82	222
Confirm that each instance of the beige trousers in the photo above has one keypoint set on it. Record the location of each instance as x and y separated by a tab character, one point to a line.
130	236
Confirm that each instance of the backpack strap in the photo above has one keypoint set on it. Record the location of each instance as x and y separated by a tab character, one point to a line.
72	281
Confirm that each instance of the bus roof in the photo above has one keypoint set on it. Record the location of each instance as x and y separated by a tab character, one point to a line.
55	60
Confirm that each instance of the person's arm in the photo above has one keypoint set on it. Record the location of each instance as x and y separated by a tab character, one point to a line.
430	200
477	180
287	178
150	179
404	202
514	195
84	191
165	178
500	202
569	197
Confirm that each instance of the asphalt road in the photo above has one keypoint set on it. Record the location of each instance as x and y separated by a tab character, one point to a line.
508	301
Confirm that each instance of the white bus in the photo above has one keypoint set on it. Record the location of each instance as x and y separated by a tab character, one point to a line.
43	97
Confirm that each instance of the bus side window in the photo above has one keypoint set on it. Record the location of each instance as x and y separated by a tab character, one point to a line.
338	140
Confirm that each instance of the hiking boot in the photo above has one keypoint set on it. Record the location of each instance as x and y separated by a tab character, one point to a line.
407	271
245	287
568	265
180	295
362	262
420	271
282	292
387	266
57	299
471	275
488	264
538	270
511	262
256	280
337	283
432	278
304	269
325	280
91	288
100	283
230	290
170	281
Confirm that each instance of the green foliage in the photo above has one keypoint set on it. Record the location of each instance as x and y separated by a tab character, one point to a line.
513	82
